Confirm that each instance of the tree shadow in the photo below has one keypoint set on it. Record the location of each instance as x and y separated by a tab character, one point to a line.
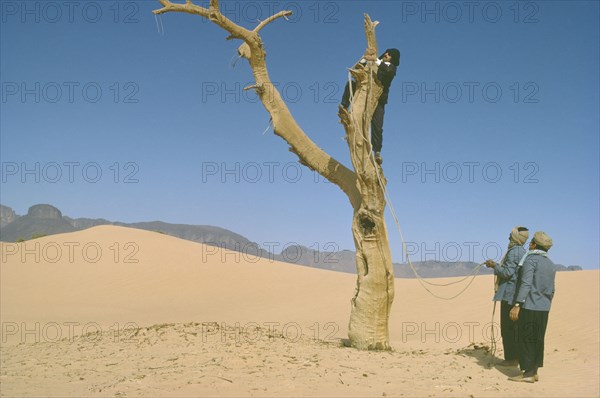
482	353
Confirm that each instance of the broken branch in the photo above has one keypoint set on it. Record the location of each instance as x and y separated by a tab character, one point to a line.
272	18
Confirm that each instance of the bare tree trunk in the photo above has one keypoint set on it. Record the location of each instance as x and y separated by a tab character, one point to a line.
368	328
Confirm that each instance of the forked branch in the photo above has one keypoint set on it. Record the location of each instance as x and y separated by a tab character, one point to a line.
284	124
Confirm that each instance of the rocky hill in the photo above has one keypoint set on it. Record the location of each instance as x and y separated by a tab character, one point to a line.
40	220
7	215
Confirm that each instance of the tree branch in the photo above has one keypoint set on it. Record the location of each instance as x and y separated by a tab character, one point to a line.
284	124
370	33
188	7
212	13
272	18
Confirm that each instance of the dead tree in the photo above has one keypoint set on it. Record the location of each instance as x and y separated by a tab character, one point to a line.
365	186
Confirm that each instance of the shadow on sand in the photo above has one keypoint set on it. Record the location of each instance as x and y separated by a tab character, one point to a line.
482	353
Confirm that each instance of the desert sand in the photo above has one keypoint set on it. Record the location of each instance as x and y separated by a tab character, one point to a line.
114	311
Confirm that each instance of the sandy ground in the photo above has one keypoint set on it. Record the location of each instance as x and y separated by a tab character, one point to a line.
114	311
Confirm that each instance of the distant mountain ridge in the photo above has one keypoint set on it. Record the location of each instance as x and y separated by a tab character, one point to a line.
45	219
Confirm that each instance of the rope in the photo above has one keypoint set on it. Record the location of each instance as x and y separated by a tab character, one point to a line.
419	278
268	126
475	270
159	25
234	59
387	197
351	89
493	342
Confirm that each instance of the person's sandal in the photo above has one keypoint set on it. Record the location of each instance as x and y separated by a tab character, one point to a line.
521	378
508	363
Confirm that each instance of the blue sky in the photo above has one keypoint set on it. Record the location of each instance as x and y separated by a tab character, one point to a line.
492	122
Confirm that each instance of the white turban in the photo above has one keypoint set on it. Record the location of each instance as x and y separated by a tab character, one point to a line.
519	235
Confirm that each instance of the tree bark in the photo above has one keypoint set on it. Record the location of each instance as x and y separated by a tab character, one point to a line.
374	294
365	186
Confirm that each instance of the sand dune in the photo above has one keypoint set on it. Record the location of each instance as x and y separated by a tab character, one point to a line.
114	311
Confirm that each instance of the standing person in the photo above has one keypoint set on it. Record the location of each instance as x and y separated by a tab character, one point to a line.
506	278
535	291
387	63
